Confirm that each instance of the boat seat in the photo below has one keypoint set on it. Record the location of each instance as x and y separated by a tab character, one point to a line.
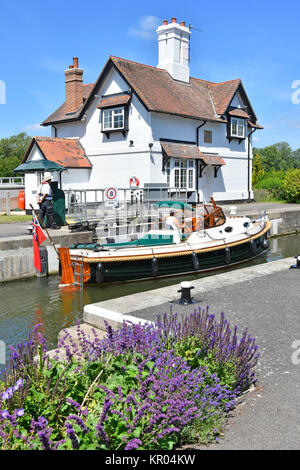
147	240
154	239
166	235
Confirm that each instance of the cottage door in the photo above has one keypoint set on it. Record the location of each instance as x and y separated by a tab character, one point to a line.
206	183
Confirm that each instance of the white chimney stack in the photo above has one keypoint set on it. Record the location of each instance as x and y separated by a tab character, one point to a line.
173	49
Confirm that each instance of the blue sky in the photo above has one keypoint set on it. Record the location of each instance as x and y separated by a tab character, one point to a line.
256	41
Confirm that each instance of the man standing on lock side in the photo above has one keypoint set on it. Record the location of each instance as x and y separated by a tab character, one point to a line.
44	199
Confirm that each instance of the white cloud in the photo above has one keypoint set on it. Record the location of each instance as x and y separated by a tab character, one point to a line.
35	128
145	28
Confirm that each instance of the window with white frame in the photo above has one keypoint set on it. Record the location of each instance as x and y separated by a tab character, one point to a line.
238	128
168	172
191	175
180	173
113	118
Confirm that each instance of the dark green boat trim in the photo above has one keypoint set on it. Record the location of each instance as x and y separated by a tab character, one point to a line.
138	270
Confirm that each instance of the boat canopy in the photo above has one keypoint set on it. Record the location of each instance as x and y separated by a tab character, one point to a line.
174	205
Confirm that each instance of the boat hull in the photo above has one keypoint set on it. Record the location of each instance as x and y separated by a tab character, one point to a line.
190	263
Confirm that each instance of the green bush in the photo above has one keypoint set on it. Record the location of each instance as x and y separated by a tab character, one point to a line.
272	181
291	185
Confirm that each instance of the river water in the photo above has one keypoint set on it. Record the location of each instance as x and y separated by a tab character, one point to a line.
27	302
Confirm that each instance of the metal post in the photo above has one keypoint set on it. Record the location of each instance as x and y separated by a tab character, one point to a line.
7	203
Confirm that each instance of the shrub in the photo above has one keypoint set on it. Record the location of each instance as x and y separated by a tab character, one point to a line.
142	387
272	181
257	169
291	185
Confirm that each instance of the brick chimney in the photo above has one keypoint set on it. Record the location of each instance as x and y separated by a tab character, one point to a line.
74	87
173	49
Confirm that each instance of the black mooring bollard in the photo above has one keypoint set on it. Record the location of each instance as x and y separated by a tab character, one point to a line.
186	298
297	265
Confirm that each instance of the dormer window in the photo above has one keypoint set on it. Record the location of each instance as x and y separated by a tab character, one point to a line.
113	119
237	128
114	113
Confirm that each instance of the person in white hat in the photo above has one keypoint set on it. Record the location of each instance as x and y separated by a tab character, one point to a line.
44	200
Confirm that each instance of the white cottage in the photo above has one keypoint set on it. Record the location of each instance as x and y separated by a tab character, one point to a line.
155	123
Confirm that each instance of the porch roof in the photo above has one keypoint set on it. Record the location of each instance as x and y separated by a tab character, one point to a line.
190	151
114	100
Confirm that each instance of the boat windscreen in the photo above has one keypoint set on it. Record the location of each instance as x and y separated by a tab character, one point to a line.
213	216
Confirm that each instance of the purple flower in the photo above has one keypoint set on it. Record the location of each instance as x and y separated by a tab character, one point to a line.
4	414
80	423
72	436
5	395
133	444
44	438
40	424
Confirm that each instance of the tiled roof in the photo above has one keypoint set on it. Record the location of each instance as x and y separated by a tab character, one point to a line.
239	113
60	114
212	159
255	126
161	93
222	94
184	150
114	100
198	99
181	150
66	152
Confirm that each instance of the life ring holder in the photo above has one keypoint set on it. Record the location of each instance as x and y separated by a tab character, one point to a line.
134	182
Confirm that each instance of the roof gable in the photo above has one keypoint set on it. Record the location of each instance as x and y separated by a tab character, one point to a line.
66	152
223	93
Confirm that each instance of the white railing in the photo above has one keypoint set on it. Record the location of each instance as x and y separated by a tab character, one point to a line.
88	204
12	181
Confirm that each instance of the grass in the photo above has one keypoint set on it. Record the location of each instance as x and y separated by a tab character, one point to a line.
12	218
264	195
276	200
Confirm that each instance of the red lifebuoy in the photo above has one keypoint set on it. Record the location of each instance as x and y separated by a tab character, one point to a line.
134	181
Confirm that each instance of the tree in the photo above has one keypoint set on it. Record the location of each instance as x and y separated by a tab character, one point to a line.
257	169
12	150
278	157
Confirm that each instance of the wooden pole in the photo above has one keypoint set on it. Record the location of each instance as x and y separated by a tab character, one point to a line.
44	228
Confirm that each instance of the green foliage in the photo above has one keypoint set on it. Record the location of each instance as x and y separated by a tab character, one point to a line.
140	388
204	432
12	151
48	388
272	181
282	185
257	169
278	157
276	169
291	185
197	355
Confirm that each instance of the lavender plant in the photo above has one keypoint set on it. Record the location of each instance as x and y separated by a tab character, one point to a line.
142	387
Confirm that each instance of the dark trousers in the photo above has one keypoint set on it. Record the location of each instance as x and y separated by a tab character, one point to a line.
46	209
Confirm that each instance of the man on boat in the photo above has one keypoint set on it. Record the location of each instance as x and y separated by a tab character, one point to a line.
172	222
44	200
